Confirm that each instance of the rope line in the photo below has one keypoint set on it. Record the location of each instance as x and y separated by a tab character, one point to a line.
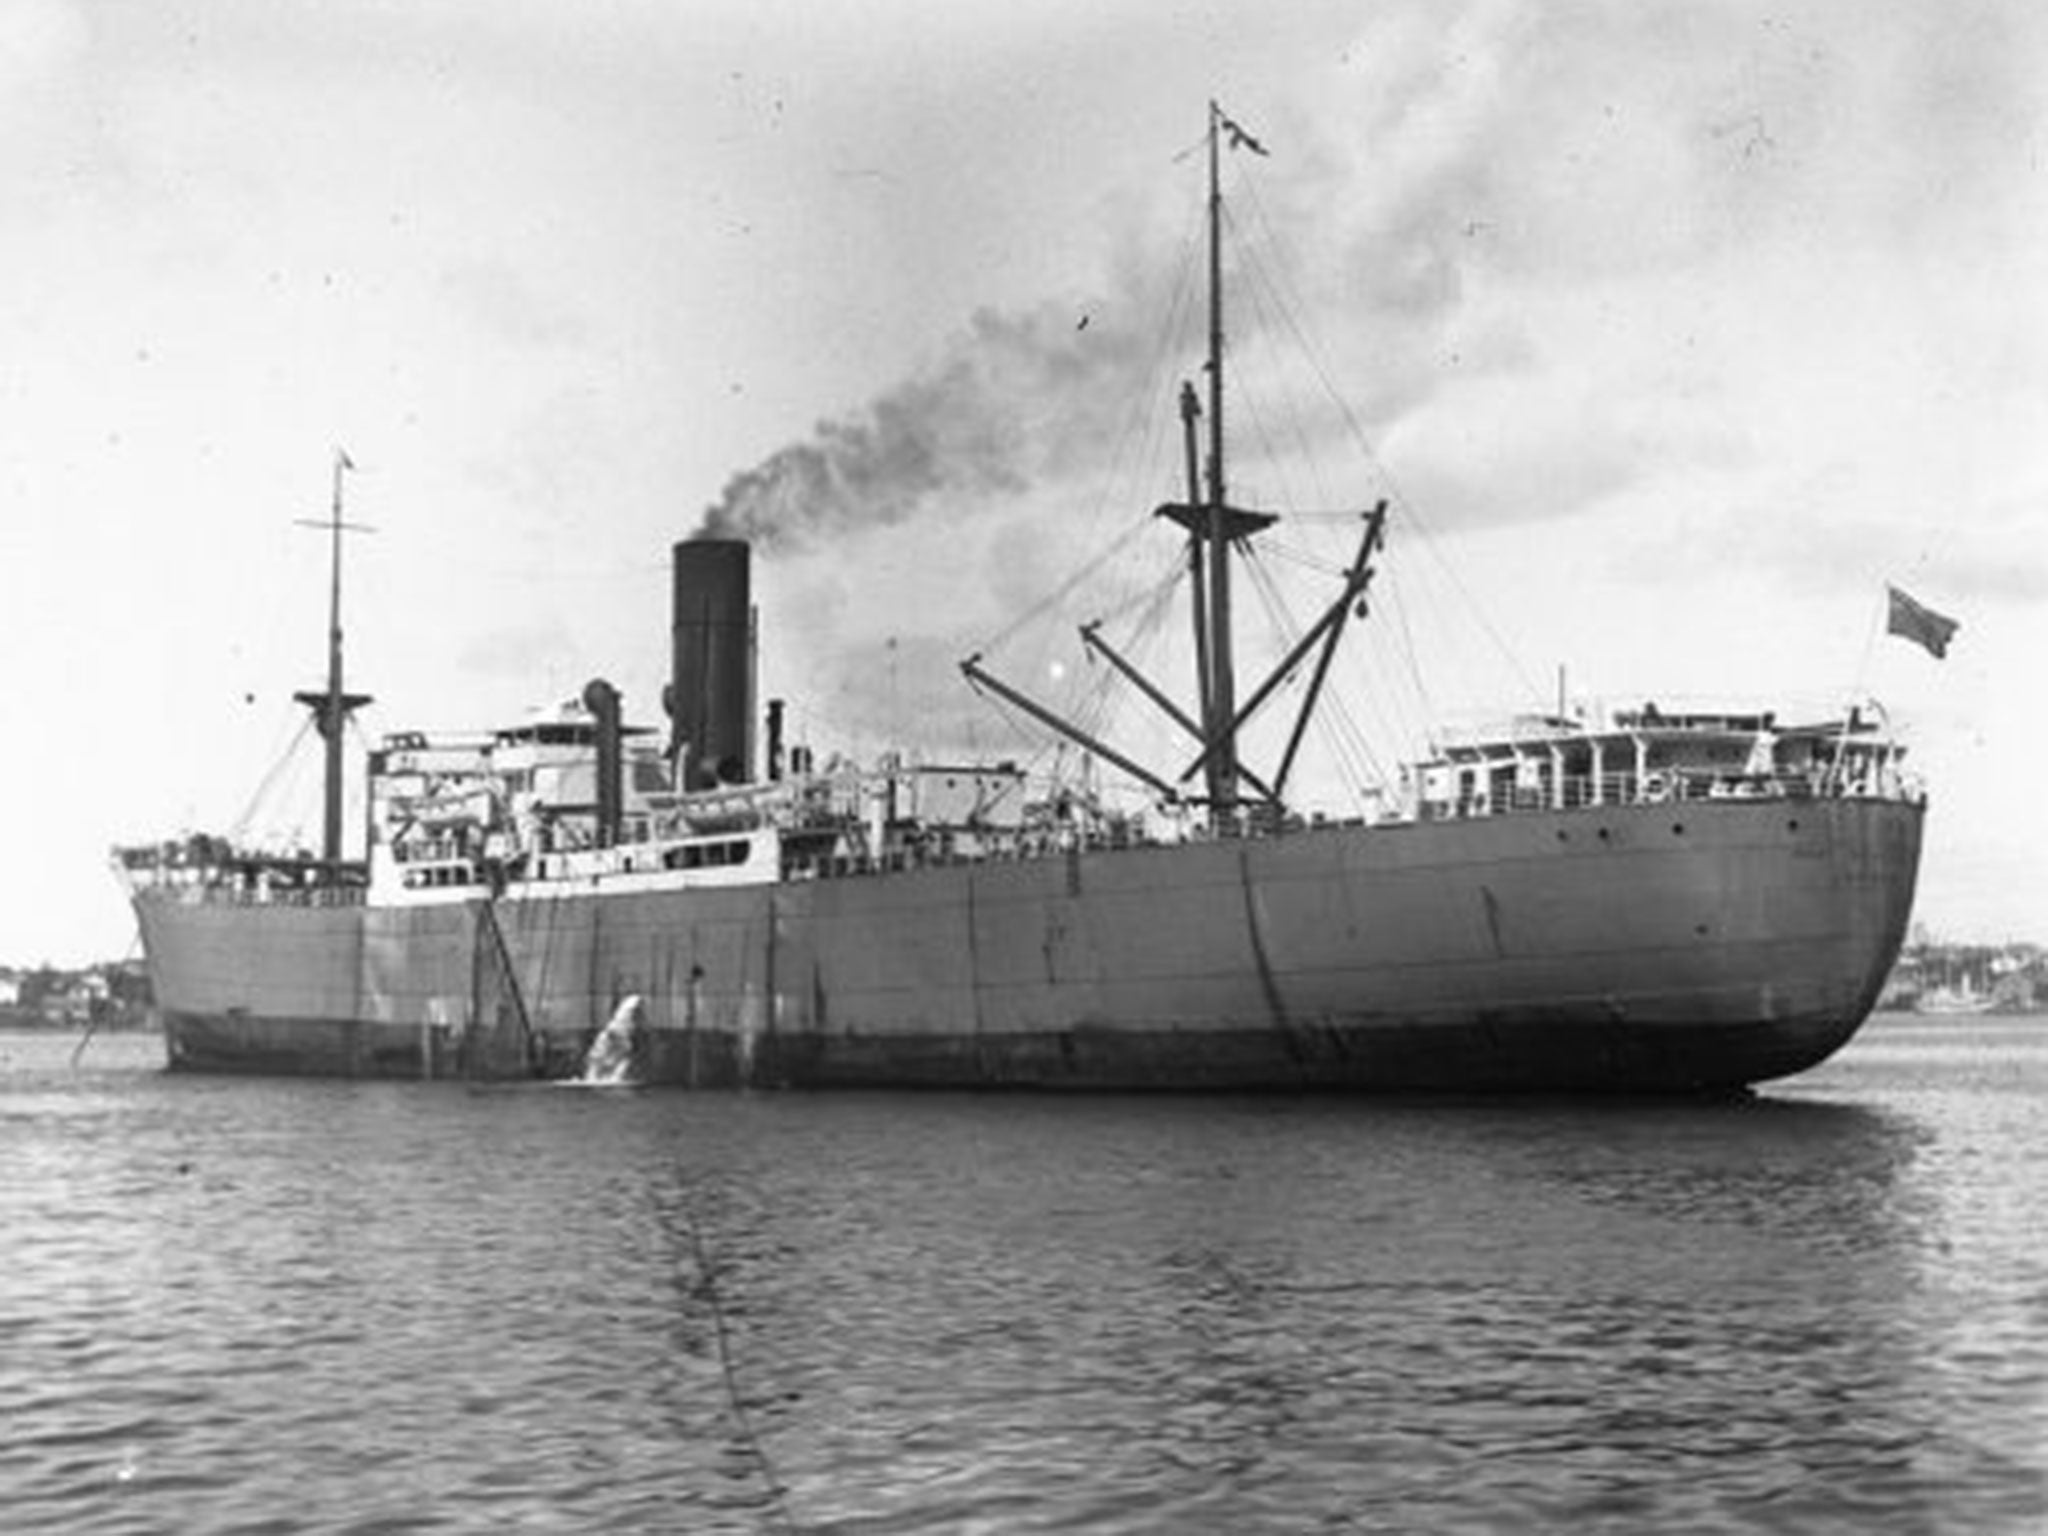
707	1287
268	782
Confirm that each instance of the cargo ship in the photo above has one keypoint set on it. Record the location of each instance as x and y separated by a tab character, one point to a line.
1627	901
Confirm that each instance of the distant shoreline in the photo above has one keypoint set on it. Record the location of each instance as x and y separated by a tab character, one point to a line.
30	1020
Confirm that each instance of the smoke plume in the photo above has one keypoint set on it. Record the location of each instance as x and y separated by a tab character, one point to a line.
1010	399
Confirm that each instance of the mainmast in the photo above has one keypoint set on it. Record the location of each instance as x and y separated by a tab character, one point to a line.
1222	690
1213	527
333	705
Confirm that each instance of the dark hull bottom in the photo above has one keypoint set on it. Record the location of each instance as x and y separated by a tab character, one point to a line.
1561	1055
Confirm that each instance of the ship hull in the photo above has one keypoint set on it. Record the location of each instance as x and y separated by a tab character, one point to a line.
1679	948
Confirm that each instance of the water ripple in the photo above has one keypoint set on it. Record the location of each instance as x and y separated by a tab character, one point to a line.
283	1307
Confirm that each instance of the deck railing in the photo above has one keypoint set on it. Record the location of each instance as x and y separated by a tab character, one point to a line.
1668	785
185	880
229	894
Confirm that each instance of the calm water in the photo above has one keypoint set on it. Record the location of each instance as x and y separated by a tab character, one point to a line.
278	1306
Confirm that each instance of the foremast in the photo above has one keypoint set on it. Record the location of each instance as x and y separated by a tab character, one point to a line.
333	705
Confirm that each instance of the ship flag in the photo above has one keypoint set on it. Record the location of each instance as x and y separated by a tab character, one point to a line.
1920	624
1239	139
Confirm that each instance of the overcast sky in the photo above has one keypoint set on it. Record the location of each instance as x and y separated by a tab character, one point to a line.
1677	330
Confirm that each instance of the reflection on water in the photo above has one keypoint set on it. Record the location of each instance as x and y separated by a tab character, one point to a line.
389	1307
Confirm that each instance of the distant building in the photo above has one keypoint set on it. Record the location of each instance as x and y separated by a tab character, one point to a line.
107	995
1936	977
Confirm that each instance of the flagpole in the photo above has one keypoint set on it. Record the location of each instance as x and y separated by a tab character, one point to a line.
1870	643
1855	691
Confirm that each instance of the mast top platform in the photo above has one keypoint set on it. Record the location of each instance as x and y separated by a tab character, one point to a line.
1238	522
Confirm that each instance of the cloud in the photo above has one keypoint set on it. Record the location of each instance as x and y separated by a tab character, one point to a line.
1993	556
900	690
1605	138
40	41
1560	263
507	304
523	652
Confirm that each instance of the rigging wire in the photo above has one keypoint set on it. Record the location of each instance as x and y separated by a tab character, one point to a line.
1066	588
1144	634
1290	317
1270	305
706	1287
1264	299
1143	590
1347	743
1407	650
1277	313
239	828
1346	740
1313	560
1137	442
1290	631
